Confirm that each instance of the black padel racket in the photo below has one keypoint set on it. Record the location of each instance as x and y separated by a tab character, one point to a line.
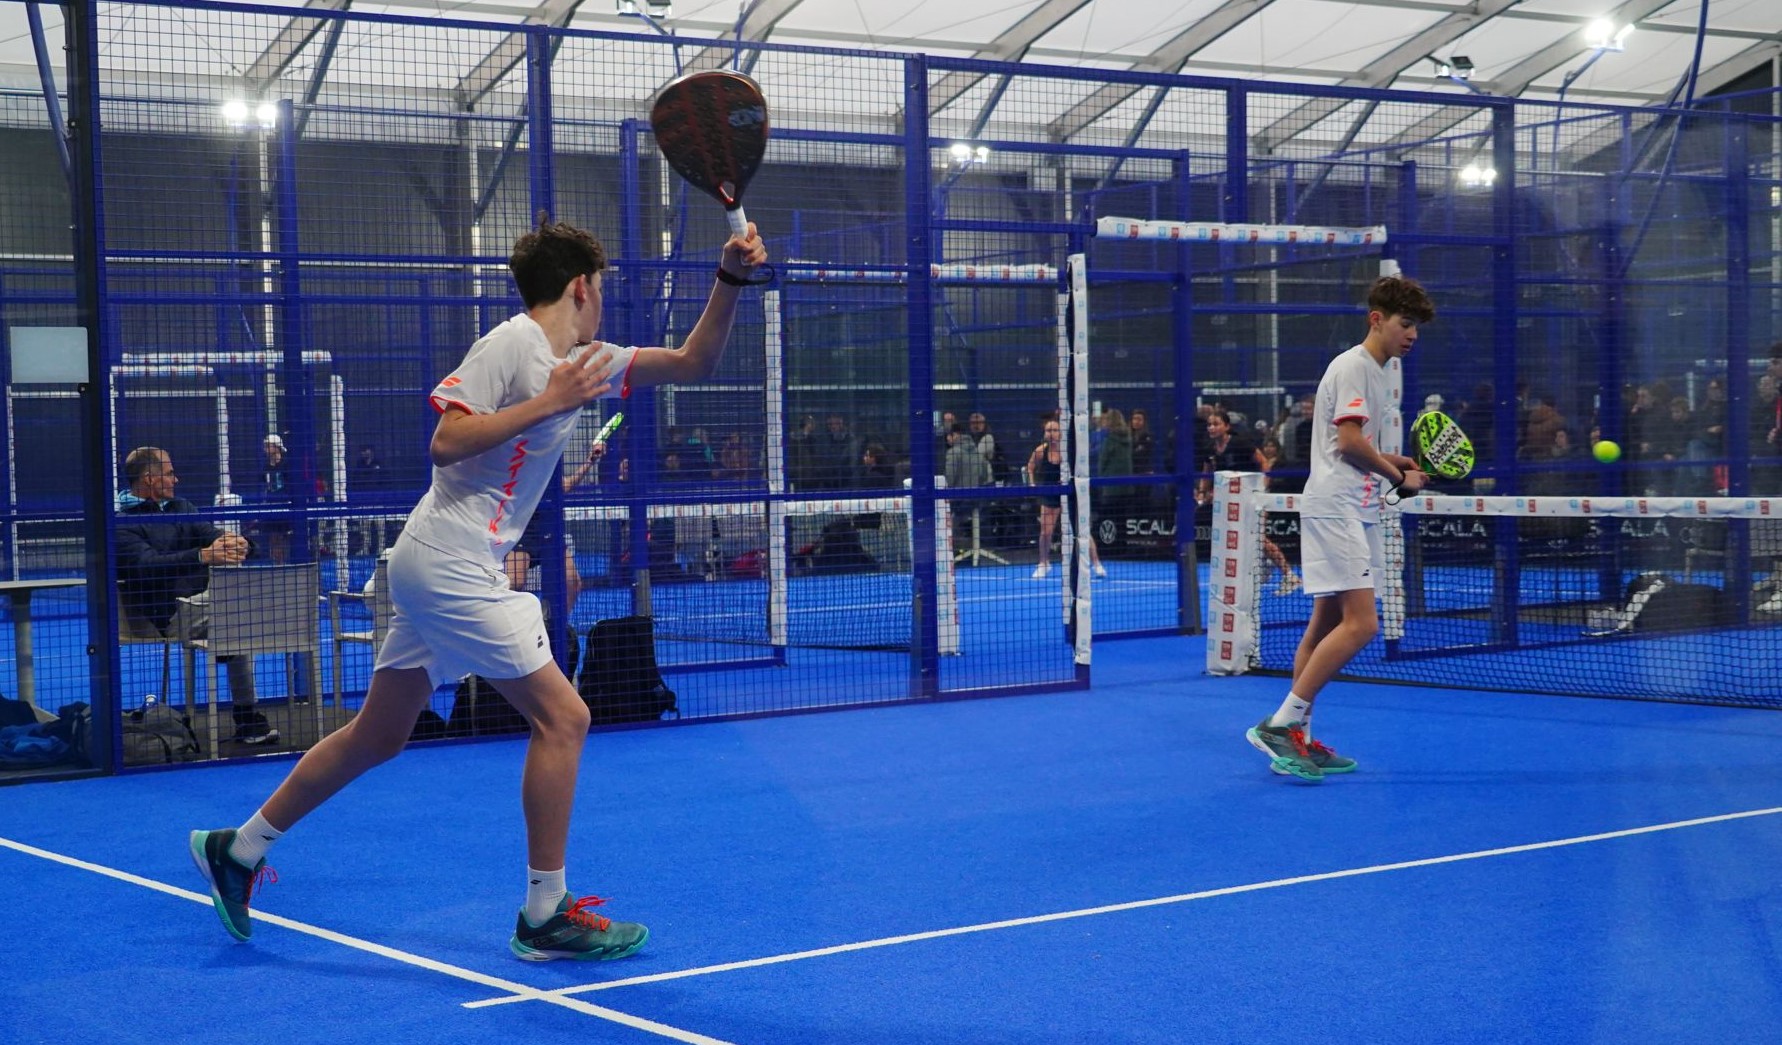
712	129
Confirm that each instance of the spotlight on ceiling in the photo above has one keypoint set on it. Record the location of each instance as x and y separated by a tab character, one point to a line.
1459	67
1604	35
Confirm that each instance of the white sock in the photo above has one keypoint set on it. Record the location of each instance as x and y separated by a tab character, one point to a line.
252	839
1292	710
544	891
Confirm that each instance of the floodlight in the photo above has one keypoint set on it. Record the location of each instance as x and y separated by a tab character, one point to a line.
1459	67
961	152
235	112
1473	176
1604	35
267	115
653	8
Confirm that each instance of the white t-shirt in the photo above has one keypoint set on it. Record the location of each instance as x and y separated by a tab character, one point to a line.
1354	387
478	507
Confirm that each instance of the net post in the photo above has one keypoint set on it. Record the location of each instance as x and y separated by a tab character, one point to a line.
778	561
1078	585
1232	641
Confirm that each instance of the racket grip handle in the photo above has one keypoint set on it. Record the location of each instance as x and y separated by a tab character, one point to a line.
739	222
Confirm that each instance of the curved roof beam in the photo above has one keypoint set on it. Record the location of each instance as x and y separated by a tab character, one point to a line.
756	23
1011	46
290	41
1715	77
1166	59
1384	69
1518	77
505	55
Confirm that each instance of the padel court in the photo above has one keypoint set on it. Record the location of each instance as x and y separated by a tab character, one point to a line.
1112	866
1053	290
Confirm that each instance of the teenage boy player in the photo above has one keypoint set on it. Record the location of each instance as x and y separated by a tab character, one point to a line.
505	415
1340	548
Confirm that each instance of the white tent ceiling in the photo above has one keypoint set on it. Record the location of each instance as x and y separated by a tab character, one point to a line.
1526	48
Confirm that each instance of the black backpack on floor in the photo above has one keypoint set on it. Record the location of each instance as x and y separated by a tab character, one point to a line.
619	678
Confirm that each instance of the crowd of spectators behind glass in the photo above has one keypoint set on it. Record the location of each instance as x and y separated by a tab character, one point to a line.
1671	445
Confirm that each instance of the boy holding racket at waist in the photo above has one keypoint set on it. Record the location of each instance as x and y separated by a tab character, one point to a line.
1341	555
505	415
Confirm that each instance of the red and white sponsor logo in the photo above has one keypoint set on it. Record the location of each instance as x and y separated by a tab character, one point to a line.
1232	511
1642	506
1230	598
1231	539
1477	503
1701	507
1289	503
1228	622
1225	650
1531	506
1235	486
1231	568
1763	507
1586	504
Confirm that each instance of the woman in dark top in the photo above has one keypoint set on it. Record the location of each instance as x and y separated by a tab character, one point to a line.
1045	467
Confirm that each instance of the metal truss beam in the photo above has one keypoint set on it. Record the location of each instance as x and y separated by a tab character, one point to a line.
1384	69
1166	59
505	55
756	24
1011	46
289	43
1520	76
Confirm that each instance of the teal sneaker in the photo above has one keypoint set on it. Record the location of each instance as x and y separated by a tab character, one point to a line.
577	933
1286	749
231	882
1328	760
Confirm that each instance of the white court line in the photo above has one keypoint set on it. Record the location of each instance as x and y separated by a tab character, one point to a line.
1039	919
519	990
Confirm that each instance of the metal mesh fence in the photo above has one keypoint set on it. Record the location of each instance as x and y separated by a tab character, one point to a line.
304	222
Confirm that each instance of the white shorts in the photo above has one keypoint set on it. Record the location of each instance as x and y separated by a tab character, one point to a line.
455	617
1337	555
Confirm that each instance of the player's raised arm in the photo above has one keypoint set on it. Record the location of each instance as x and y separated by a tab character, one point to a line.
699	354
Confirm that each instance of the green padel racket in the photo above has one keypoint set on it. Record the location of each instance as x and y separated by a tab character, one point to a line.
1439	446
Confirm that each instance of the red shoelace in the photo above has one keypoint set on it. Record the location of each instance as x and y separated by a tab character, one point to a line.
579	915
264	875
1298	737
1317	747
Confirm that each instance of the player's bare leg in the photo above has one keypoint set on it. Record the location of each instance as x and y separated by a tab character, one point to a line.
552	925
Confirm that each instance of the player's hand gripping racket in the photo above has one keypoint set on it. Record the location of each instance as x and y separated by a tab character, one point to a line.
712	129
1440	448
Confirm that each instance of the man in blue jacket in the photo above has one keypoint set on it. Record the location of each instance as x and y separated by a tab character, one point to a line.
162	560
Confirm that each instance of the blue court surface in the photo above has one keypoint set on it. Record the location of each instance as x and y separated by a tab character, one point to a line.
1108	866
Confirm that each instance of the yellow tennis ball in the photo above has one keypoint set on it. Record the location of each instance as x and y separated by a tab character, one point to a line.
1607	452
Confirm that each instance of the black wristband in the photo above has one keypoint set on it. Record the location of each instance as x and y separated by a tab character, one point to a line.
735	281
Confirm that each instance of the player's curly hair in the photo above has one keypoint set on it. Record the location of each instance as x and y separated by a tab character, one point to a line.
1400	296
545	260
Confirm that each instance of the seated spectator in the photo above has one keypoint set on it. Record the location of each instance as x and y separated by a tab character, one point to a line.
162	560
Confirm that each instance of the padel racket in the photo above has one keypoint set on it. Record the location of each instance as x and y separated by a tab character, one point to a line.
611	426
1439	446
712	129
